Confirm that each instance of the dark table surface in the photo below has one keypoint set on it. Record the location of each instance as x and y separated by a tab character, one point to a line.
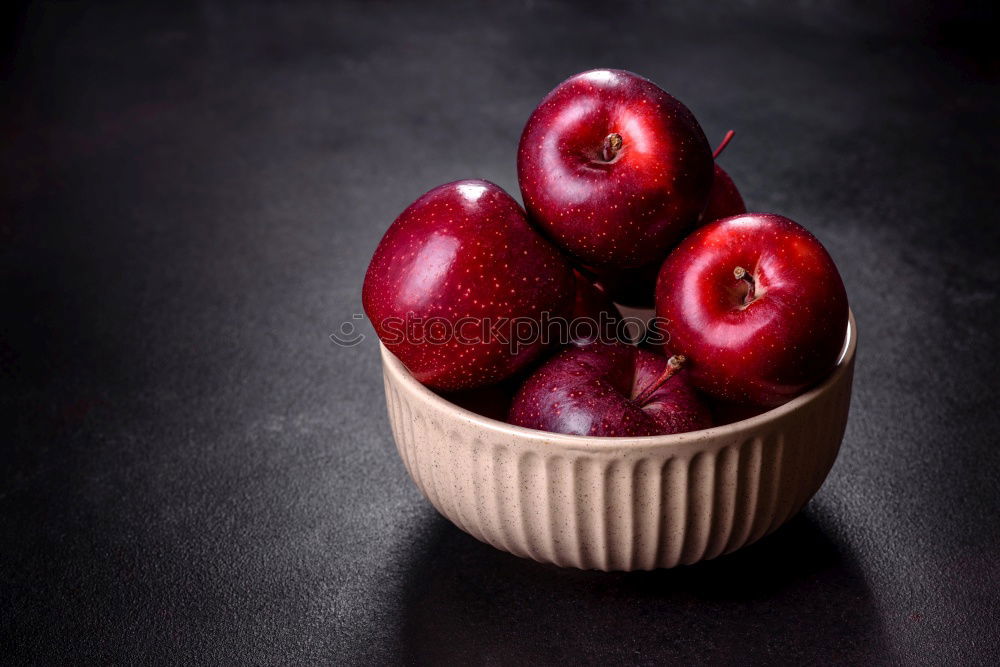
193	471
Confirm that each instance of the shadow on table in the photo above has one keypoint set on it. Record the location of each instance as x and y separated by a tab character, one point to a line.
795	594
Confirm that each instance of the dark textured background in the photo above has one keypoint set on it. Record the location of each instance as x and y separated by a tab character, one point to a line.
190	195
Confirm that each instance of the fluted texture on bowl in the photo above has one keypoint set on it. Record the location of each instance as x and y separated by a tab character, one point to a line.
622	503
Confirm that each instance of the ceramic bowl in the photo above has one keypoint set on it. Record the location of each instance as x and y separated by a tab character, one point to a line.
619	503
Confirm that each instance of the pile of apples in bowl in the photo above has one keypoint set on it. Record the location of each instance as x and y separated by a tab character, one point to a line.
528	415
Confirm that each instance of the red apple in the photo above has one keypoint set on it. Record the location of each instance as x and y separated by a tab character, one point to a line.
454	278
613	169
756	304
609	389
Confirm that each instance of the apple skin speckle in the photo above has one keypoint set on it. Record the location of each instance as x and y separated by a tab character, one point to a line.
628	210
590	390
464	250
768	350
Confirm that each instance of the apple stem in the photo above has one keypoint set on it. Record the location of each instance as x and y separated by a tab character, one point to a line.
725	142
674	364
741	274
612	144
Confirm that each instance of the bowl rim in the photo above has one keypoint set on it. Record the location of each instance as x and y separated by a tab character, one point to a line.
393	366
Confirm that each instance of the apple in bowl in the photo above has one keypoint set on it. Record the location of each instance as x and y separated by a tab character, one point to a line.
608	390
757	305
613	169
451	279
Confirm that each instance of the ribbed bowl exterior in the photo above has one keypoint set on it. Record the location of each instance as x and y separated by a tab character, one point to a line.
619	503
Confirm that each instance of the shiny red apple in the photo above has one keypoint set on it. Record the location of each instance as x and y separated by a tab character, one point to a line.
757	306
609	389
455	282
613	169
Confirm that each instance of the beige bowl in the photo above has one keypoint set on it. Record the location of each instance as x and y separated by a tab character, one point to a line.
619	503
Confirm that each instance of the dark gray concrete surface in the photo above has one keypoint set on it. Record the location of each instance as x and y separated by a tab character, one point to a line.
193	472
